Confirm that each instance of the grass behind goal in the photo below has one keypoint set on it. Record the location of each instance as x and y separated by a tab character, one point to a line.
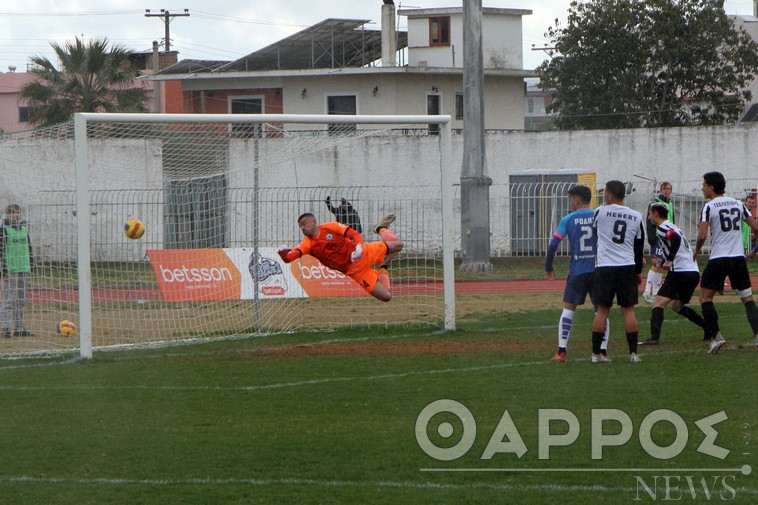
329	417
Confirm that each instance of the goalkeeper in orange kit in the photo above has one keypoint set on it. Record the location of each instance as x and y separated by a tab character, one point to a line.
341	248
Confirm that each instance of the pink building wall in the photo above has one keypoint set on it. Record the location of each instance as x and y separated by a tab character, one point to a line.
10	89
10	99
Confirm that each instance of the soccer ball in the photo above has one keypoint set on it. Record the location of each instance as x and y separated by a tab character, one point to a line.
134	229
66	328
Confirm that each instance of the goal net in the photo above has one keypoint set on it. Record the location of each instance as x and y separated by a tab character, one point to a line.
218	194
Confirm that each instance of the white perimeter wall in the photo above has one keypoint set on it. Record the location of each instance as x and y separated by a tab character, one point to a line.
33	172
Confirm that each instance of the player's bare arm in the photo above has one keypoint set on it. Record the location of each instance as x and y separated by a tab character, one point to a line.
702	234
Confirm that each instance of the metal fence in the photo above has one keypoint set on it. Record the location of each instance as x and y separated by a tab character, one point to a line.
523	217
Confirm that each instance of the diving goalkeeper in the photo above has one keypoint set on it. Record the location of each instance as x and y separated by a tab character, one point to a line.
341	248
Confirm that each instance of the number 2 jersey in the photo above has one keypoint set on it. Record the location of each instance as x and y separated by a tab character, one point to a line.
620	236
725	216
577	226
676	248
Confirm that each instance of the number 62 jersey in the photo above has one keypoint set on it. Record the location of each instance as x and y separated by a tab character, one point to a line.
617	229
725	216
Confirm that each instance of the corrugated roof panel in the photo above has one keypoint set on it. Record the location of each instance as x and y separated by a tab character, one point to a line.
332	43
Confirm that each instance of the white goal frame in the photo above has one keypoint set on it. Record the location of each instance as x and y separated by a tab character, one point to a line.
83	192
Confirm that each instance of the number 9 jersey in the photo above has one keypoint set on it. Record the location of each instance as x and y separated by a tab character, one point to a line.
725	216
618	228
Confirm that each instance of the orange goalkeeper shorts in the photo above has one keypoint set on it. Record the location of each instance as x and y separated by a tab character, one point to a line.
361	272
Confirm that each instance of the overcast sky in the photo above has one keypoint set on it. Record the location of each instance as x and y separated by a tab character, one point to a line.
224	29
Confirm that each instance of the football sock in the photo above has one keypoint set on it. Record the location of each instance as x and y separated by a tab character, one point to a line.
564	329
711	318
658	282
752	315
606	336
692	316
597	339
656	322
384	278
653	281
631	339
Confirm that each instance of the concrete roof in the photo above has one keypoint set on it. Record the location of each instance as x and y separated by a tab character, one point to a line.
441	11
164	76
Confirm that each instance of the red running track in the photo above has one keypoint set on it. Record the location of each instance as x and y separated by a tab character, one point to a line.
477	287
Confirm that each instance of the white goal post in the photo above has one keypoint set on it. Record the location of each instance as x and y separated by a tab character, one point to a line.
318	134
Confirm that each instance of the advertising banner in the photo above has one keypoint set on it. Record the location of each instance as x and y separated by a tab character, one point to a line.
234	273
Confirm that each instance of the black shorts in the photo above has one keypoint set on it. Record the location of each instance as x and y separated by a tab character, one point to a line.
615	282
679	286
720	268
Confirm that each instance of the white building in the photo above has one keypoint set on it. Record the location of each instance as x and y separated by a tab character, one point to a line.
339	66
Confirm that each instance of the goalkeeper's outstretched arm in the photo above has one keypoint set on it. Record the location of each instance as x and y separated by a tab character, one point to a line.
289	255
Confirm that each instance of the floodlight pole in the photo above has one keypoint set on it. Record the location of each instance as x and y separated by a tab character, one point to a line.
475	184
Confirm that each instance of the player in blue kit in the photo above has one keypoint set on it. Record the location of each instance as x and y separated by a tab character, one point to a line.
577	226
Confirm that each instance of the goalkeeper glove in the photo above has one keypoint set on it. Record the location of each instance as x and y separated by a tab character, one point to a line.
328	200
356	255
283	251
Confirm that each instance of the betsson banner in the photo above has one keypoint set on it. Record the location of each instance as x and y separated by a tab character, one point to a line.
228	274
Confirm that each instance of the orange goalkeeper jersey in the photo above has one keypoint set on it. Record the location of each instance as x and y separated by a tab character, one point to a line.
333	245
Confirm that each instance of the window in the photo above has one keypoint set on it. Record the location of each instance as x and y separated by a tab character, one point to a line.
530	105
459	105
341	104
433	109
439	31
23	114
246	105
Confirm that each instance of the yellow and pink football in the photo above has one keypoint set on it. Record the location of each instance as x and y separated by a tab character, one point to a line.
134	229
66	328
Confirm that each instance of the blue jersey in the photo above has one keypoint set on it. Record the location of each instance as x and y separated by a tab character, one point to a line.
577	226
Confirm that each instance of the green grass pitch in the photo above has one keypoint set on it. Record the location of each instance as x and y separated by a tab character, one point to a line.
330	417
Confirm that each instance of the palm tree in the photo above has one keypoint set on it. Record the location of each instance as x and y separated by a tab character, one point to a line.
93	78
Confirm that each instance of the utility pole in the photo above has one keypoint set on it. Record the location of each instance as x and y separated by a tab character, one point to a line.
475	183
167	18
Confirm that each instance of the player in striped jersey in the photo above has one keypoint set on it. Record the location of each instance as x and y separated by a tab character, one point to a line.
724	217
655	275
683	276
618	265
577	227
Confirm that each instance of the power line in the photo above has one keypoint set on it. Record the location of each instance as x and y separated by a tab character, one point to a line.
222	17
66	14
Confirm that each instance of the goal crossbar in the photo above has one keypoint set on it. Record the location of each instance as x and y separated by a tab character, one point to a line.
262	118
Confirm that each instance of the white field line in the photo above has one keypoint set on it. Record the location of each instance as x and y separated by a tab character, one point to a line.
323	483
183	343
313	382
675	320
